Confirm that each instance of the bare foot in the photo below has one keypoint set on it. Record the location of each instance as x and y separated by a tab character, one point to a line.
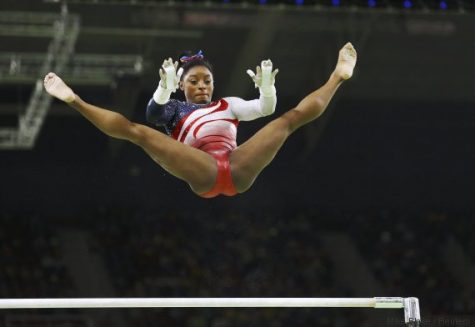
346	61
55	86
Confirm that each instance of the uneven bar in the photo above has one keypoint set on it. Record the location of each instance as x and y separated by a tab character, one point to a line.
51	303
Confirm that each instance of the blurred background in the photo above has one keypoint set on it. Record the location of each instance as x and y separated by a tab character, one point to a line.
375	198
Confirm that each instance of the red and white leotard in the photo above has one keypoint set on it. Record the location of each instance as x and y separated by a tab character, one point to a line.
211	128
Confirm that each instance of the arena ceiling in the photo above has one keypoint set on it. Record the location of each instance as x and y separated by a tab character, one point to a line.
402	55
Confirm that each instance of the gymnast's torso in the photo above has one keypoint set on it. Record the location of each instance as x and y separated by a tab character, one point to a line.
204	125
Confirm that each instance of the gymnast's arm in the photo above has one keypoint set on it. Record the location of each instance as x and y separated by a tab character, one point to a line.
253	109
264	79
160	114
160	109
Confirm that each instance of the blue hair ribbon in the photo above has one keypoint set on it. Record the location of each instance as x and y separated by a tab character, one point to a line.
198	56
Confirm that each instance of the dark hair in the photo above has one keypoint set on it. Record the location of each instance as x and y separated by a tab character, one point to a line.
188	60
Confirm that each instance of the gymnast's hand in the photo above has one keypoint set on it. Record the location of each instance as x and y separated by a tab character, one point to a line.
169	76
264	78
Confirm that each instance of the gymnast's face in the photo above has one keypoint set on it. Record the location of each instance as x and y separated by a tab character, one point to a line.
198	85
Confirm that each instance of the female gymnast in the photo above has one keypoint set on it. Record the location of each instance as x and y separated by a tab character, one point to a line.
202	149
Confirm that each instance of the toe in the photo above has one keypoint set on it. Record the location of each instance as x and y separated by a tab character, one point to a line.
48	77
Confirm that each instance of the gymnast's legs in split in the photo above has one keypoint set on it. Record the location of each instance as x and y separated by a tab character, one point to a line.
196	167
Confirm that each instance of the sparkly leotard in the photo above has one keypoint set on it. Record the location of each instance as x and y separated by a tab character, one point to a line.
211	128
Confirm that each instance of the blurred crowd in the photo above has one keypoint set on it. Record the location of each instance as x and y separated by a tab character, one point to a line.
230	254
31	262
406	252
206	255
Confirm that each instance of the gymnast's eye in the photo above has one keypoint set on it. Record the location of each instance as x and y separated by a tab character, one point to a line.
193	82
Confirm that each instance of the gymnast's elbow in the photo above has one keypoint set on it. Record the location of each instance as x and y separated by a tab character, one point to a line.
268	110
153	113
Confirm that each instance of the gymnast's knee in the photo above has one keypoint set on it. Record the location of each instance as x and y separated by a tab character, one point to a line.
292	120
137	135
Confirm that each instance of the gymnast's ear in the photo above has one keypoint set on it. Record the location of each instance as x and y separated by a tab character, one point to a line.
182	85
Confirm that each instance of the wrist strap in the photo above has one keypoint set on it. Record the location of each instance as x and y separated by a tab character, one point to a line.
268	91
161	95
